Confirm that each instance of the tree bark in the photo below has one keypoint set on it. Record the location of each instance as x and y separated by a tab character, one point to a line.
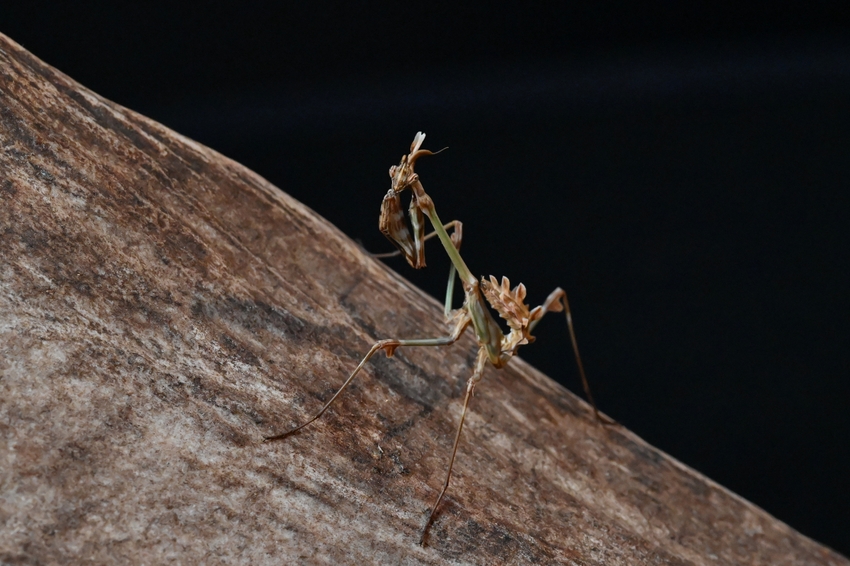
162	308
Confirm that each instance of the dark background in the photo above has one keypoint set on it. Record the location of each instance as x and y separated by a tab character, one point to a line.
682	171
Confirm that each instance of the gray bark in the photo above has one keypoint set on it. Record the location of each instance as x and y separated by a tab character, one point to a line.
162	308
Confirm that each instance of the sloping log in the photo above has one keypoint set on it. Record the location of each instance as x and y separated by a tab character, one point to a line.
162	308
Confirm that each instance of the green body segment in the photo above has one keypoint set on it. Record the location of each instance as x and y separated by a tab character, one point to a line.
487	330
462	270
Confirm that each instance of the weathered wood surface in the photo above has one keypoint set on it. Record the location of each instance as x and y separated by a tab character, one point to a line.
162	308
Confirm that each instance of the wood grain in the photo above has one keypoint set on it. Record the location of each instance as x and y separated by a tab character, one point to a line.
162	308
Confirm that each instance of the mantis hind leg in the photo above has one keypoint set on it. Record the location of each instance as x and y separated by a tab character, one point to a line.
556	302
470	386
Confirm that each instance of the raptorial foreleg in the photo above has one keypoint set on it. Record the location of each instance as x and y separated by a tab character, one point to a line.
456	224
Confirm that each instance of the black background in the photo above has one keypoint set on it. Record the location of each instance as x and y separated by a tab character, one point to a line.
682	171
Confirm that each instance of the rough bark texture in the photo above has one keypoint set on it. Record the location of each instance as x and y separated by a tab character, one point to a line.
162	308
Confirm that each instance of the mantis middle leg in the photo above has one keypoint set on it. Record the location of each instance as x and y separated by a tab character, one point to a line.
470	386
389	346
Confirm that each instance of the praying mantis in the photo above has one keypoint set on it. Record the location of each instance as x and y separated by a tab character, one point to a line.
494	346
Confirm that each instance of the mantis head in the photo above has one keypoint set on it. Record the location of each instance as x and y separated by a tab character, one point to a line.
408	235
402	175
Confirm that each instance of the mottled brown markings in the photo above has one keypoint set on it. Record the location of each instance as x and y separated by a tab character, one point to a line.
699	489
43	173
239	351
464	537
117	424
413	382
15	130
255	317
22	60
640	452
169	389
217	404
563	404
15	155
391	429
106	121
33	239
373	470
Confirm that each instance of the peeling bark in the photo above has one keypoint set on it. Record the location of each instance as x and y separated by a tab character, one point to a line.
162	308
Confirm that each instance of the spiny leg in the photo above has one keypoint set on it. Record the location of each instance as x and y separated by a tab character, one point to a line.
470	386
395	227
456	238
555	302
456	224
389	346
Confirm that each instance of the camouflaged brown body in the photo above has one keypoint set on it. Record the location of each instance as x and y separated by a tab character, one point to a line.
494	346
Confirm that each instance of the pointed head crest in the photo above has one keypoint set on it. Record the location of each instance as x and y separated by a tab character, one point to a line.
402	175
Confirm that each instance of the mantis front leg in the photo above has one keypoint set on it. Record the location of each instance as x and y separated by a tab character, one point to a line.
457	225
398	234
